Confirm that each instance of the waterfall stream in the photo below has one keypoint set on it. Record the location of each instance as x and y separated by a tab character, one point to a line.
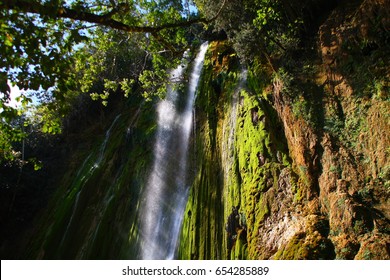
165	194
84	174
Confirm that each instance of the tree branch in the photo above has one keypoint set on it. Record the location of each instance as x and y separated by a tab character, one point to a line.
54	12
105	20
163	42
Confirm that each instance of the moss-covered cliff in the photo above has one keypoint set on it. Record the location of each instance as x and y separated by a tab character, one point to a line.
293	162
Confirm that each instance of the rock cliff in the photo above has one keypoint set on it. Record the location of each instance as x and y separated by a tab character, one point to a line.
293	161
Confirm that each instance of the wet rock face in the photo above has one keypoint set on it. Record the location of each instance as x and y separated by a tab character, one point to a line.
282	223
235	227
309	188
340	186
255	116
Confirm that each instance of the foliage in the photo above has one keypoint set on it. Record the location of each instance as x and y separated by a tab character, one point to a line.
348	127
255	27
59	49
284	80
8	135
112	61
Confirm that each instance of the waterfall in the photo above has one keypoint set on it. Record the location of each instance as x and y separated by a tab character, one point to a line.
165	194
85	172
234	113
229	131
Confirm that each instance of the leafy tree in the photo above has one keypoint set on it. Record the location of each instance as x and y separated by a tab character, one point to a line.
61	48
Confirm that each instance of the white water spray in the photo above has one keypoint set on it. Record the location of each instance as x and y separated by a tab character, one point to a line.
165	194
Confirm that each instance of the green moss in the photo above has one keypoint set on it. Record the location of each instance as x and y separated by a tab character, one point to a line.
203	234
261	156
294	250
239	250
202	231
367	255
250	170
299	195
261	212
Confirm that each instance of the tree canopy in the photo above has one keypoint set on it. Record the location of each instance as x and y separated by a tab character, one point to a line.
61	48
36	33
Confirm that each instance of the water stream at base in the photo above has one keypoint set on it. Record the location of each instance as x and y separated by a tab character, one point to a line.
165	195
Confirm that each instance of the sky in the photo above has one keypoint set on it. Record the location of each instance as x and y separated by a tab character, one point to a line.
15	92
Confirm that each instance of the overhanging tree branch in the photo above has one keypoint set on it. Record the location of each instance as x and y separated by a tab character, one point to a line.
82	14
52	11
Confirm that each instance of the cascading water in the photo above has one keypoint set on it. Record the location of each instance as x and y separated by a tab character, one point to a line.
234	103
84	174
230	129
165	195
229	136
